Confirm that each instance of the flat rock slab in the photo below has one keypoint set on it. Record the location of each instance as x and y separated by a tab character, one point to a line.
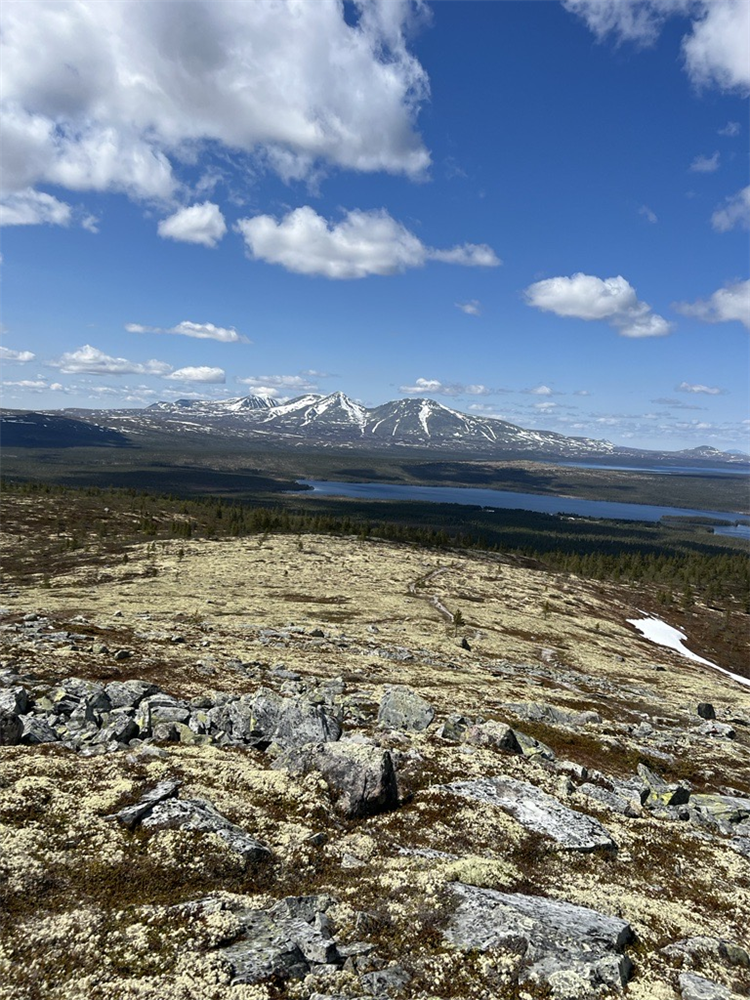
576	951
694	987
198	814
537	811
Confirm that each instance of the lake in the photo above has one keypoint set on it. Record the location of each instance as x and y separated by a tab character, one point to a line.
507	500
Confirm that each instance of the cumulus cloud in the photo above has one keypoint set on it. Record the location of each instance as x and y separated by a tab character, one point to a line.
726	304
735	212
15	357
730	129
585	296
715	51
116	96
471	308
202	223
271	385
95	362
33	208
436	388
648	214
200	331
708	390
706	164
201	373
540	390
363	243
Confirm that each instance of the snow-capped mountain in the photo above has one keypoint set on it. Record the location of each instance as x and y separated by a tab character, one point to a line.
335	420
240	404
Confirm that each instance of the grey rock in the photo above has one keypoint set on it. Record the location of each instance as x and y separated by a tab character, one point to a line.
288	940
402	708
570	948
398	653
494	734
11	728
694	987
14	700
690	949
722	811
660	793
292	722
130	816
384	982
719	730
622	804
120	729
533	749
537	811
361	778
36	729
534	711
198	814
129	694
454	728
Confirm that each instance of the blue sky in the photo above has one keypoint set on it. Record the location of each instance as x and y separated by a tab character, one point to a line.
531	210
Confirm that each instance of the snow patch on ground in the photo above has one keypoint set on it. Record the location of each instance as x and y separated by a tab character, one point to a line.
662	634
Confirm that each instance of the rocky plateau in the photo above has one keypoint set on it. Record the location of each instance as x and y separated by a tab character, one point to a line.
280	767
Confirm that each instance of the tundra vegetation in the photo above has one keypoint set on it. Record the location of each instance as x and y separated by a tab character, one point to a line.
326	751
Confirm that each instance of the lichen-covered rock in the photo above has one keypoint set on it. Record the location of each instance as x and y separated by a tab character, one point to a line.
11	728
693	987
537	811
37	729
402	708
533	711
129	694
198	814
292	722
494	734
14	700
576	951
361	777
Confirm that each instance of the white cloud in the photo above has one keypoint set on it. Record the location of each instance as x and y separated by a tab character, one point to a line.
17	357
648	214
33	208
201	223
540	390
734	212
116	96
726	304
92	360
708	390
730	129
544	407
585	296
201	373
437	388
269	385
200	331
706	164
363	243
90	223
716	52
35	385
471	308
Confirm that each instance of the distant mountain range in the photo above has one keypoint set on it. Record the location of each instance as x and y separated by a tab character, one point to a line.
331	421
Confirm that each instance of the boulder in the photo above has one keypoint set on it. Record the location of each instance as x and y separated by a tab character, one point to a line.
537	811
292	722
130	816
402	708
706	710
14	700
361	777
493	734
572	950
289	940
198	814
37	729
534	711
694	987
129	694
11	728
659	792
